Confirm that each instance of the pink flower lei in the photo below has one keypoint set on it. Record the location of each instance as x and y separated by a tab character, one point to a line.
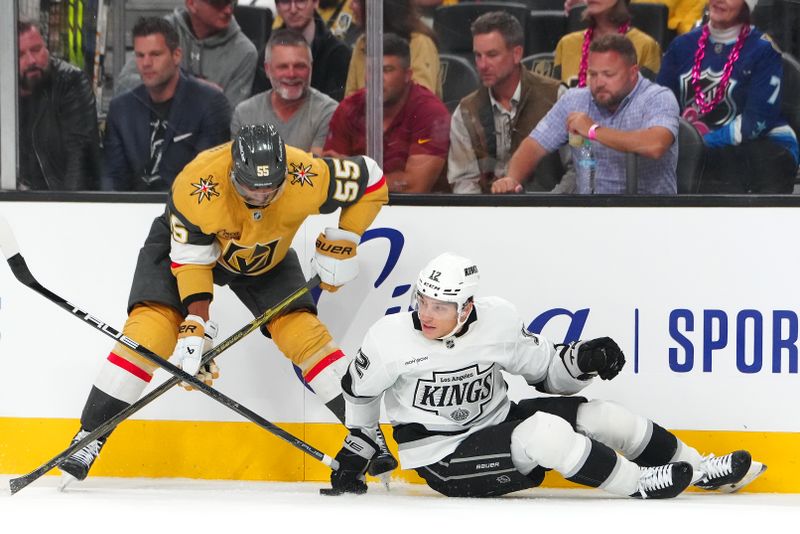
699	98
587	40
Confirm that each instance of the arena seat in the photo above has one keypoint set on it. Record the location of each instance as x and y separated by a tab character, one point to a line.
451	23
543	5
459	78
541	63
690	158
543	30
255	22
790	104
781	20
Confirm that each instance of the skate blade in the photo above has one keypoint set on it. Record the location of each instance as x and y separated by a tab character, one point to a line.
385	478
756	469
66	480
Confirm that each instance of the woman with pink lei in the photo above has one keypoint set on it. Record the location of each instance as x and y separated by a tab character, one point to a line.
604	17
727	77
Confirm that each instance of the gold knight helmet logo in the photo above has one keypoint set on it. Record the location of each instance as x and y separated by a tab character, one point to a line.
250	261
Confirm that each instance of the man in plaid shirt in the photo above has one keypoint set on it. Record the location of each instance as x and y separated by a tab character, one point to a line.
619	111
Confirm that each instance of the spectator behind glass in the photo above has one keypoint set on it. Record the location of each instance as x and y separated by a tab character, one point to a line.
416	126
330	55
399	17
336	14
153	131
620	111
356	26
750	147
299	113
425	8
605	17
489	124
683	14
214	49
59	144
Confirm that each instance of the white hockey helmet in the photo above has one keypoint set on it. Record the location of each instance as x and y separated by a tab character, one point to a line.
449	278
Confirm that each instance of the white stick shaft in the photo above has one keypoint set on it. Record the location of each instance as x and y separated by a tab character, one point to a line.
8	242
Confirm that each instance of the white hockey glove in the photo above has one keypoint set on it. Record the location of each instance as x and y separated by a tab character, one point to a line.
335	260
194	338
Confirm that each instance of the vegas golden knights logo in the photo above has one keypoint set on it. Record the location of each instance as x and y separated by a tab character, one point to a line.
251	260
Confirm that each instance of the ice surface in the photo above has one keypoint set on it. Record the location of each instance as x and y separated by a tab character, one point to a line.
147	506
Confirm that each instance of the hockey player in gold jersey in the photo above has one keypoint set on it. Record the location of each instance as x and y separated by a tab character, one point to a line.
229	220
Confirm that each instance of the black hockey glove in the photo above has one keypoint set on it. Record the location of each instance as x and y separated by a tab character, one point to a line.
353	459
601	356
597	357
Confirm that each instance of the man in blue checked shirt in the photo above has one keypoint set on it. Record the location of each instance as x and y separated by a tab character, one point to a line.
619	111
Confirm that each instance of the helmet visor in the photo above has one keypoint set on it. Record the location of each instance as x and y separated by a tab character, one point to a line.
434	308
261	197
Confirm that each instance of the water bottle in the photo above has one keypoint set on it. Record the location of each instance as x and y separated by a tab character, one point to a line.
587	165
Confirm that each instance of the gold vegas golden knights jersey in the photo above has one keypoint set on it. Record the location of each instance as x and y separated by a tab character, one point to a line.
211	224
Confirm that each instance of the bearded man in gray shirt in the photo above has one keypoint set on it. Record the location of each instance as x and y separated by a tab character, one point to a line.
300	113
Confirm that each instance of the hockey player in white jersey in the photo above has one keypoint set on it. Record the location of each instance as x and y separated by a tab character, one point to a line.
438	370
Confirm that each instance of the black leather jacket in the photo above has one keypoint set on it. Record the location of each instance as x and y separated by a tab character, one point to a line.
59	144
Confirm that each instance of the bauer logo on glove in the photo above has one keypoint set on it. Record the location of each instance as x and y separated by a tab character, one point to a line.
196	337
335	259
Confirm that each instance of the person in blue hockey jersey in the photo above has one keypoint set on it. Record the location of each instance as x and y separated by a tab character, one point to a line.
727	77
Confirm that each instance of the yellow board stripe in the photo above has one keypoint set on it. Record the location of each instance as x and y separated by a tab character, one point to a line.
242	451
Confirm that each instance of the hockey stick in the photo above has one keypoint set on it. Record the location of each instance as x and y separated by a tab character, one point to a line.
21	271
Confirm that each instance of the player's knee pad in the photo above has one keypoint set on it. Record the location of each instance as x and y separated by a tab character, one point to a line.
303	339
549	441
125	374
325	378
613	425
299	335
154	326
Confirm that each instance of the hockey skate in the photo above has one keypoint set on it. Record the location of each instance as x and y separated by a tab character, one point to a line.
728	473
383	463
77	466
663	481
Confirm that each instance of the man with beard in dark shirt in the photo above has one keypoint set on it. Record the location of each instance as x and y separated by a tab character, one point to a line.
58	136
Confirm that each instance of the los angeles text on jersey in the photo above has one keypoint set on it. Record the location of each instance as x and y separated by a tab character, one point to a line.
458	395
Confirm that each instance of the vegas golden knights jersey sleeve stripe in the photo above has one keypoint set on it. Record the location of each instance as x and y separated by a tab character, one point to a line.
184	231
193	255
357	217
349	177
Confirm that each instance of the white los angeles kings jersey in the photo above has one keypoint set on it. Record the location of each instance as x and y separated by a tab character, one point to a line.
437	393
